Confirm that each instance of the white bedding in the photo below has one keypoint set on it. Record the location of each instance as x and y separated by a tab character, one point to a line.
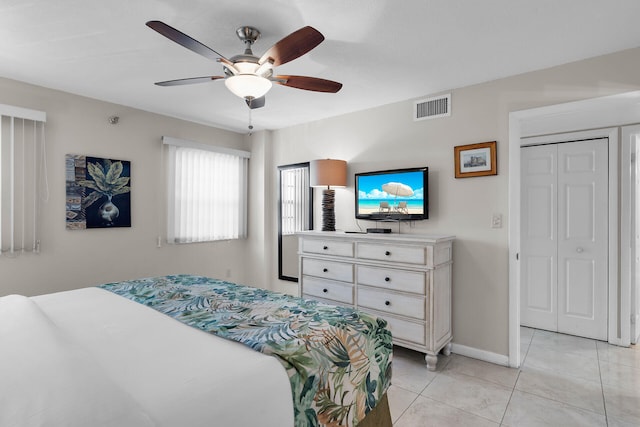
92	358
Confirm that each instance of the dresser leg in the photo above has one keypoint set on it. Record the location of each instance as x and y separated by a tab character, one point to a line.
432	361
447	349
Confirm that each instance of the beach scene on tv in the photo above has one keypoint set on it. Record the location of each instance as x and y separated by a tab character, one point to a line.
392	193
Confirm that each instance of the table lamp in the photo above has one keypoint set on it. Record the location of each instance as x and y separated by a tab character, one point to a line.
328	173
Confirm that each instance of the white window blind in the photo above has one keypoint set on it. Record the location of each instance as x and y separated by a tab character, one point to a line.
294	191
207	192
23	178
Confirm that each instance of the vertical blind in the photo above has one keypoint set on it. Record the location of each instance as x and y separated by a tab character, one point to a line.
23	178
207	192
294	191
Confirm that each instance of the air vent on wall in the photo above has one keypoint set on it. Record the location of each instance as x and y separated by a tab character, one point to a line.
431	108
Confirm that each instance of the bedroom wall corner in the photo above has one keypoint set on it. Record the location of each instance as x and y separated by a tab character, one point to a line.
261	261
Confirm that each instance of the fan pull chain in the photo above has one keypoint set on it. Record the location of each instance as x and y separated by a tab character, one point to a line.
250	125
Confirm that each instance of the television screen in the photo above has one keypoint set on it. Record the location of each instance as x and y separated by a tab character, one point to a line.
400	194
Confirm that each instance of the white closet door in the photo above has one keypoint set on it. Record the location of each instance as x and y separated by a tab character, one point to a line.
538	280
564	253
583	209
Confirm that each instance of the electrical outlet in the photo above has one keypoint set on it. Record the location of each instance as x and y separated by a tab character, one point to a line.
496	220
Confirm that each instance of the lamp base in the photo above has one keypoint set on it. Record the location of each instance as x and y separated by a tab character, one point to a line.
328	212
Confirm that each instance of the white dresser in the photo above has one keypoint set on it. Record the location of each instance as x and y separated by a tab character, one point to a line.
403	278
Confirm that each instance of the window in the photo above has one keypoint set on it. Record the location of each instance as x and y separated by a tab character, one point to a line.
23	184
207	192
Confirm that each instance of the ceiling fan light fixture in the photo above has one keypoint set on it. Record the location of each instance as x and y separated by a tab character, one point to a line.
248	85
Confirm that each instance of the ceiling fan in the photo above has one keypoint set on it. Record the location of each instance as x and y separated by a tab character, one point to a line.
246	75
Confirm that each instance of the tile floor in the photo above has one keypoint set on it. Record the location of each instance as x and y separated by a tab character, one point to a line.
563	381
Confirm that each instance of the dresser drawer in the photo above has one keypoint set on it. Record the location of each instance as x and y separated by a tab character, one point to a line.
397	280
327	301
327	289
327	269
327	247
406	330
389	302
392	253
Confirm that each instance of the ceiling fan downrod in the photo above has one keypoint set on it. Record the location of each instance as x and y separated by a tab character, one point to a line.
248	35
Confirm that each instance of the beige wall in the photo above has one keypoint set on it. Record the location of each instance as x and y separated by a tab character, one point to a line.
73	259
260	263
387	137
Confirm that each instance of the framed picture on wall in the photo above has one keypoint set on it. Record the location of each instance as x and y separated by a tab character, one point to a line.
98	192
475	160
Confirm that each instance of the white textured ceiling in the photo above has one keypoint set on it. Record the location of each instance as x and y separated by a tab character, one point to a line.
382	51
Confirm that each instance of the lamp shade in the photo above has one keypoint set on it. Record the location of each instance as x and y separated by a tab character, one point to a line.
248	85
328	173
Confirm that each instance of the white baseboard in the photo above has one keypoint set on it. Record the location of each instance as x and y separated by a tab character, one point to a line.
475	353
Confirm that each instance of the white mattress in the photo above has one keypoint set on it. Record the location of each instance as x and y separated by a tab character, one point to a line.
90	357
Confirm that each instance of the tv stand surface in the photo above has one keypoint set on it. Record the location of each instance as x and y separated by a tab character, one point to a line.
402	278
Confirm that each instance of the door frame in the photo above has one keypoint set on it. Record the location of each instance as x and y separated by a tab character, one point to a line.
605	115
628	255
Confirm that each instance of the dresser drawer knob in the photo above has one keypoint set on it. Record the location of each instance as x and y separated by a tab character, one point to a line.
387	303
325	290
387	279
325	247
325	270
387	253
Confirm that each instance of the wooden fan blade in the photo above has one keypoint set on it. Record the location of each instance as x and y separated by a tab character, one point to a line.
255	103
184	40
293	46
308	83
188	81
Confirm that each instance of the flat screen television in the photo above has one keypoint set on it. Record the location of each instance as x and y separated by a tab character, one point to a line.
400	194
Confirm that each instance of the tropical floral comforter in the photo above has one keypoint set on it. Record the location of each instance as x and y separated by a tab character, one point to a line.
338	359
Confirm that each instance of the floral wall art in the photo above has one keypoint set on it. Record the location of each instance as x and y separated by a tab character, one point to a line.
98	192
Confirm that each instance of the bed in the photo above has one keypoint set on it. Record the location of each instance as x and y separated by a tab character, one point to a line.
114	355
